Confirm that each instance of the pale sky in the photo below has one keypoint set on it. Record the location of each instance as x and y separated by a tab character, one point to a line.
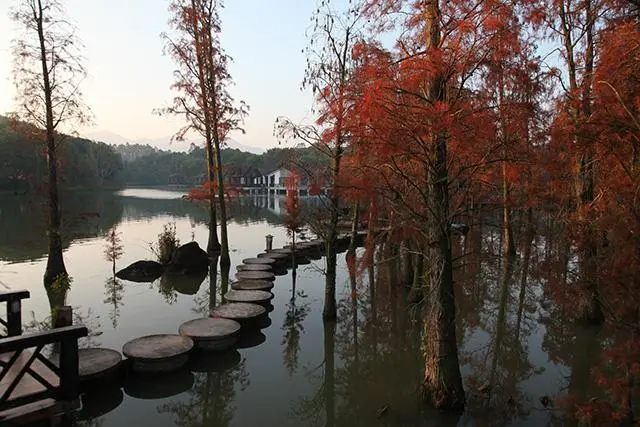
129	76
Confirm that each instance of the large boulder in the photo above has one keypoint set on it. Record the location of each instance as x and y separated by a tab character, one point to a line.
141	271
189	258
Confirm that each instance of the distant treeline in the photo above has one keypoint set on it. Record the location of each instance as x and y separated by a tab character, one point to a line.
83	163
90	164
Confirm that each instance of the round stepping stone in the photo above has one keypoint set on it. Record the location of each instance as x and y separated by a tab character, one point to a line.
211	334
238	311
255	297
97	362
255	275
252	285
258	261
309	246
285	251
158	353
254	267
274	256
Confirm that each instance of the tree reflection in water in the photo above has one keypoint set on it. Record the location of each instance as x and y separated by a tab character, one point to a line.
293	327
210	399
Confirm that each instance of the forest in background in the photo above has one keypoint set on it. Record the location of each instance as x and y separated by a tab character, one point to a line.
93	164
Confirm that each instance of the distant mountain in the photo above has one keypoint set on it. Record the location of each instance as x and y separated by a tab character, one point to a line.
160	143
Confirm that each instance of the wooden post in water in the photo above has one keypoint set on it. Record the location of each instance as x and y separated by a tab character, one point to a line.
69	374
269	247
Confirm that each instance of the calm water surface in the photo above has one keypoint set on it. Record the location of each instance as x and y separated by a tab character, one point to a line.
364	371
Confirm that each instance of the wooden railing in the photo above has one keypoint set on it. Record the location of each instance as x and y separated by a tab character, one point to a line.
13	322
59	381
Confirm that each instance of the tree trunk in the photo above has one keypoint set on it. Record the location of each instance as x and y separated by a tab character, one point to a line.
55	262
224	247
442	380
213	282
330	310
509	247
213	245
416	294
224	278
354	230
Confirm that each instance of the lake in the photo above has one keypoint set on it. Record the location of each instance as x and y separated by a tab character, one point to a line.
363	371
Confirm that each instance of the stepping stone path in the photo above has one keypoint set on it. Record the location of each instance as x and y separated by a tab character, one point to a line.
211	334
254	267
94	363
255	297
248	302
267	261
238	311
255	275
252	285
158	353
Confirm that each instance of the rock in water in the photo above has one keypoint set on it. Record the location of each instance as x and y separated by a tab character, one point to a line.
189	258
141	271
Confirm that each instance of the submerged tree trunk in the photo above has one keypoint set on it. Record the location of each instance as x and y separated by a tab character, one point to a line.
55	262
224	240
213	282
224	278
442	380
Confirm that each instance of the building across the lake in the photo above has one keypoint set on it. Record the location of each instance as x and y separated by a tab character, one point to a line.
274	182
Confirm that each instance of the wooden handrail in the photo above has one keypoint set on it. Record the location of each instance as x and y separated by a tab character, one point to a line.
14	295
42	338
14	311
66	370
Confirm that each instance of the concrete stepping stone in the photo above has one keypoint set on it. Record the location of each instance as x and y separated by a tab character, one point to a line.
252	285
239	311
254	297
95	363
278	257
254	267
255	275
267	261
211	334
158	353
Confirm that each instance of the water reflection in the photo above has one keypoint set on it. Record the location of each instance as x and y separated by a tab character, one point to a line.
293	328
516	346
210	400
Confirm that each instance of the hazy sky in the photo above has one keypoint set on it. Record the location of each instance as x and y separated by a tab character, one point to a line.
129	76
